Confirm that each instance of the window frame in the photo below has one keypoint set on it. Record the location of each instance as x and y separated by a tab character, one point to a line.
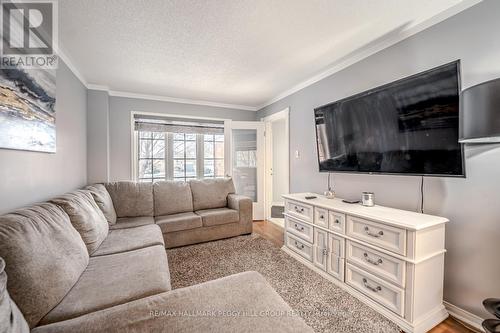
133	163
170	172
169	158
152	158
213	157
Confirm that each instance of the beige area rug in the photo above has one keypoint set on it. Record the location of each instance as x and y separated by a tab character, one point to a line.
324	306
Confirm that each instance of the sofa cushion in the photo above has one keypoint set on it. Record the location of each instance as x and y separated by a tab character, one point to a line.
211	193
205	234
218	216
11	319
132	222
128	239
85	216
103	200
172	197
44	257
247	293
114	279
178	222
131	199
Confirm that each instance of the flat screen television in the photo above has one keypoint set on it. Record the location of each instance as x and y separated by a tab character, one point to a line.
409	126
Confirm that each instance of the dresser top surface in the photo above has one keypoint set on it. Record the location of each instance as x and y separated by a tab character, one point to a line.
397	217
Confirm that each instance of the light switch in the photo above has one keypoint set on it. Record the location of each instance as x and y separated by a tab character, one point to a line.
297	154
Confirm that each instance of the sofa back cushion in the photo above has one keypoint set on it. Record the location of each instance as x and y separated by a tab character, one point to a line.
211	193
131	199
44	257
172	197
85	216
11	319
103	200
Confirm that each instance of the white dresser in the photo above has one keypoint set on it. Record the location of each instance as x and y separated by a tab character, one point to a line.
391	259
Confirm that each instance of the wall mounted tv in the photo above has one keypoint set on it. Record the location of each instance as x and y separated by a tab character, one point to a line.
409	126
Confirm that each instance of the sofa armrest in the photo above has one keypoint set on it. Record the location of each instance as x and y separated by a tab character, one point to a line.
243	205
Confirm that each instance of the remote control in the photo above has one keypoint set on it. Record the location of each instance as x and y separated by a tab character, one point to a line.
309	197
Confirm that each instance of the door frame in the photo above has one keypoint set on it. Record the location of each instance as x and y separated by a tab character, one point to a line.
259	207
281	115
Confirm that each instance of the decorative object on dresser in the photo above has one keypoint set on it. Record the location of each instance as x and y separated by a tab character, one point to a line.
391	259
330	194
368	199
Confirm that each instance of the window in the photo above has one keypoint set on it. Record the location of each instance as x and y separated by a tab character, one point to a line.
213	155
184	156
246	158
151	156
179	156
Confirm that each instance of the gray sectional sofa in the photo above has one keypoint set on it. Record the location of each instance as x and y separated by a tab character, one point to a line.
186	212
94	260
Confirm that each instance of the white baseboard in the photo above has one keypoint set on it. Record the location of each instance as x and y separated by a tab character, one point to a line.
280	222
470	319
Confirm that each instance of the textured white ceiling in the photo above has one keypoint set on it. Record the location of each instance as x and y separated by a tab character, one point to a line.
243	52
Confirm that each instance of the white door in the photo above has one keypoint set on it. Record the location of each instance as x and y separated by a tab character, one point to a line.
247	161
277	159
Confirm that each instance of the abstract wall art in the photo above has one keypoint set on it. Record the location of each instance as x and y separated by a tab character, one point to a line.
27	109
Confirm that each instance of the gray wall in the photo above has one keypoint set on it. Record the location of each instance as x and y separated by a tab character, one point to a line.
472	204
119	110
98	136
28	177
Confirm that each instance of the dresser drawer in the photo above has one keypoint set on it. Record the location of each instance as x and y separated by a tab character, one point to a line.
387	237
377	289
299	246
300	210
382	265
321	217
300	229
337	222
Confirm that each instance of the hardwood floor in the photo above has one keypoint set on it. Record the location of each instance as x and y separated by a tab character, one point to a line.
274	233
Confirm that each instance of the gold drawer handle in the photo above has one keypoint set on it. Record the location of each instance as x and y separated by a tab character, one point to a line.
375	290
377	235
371	261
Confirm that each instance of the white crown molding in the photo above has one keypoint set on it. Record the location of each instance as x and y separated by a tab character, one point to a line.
365	52
474	322
179	100
70	64
62	54
99	87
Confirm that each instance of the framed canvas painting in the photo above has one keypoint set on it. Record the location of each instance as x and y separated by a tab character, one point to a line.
27	109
